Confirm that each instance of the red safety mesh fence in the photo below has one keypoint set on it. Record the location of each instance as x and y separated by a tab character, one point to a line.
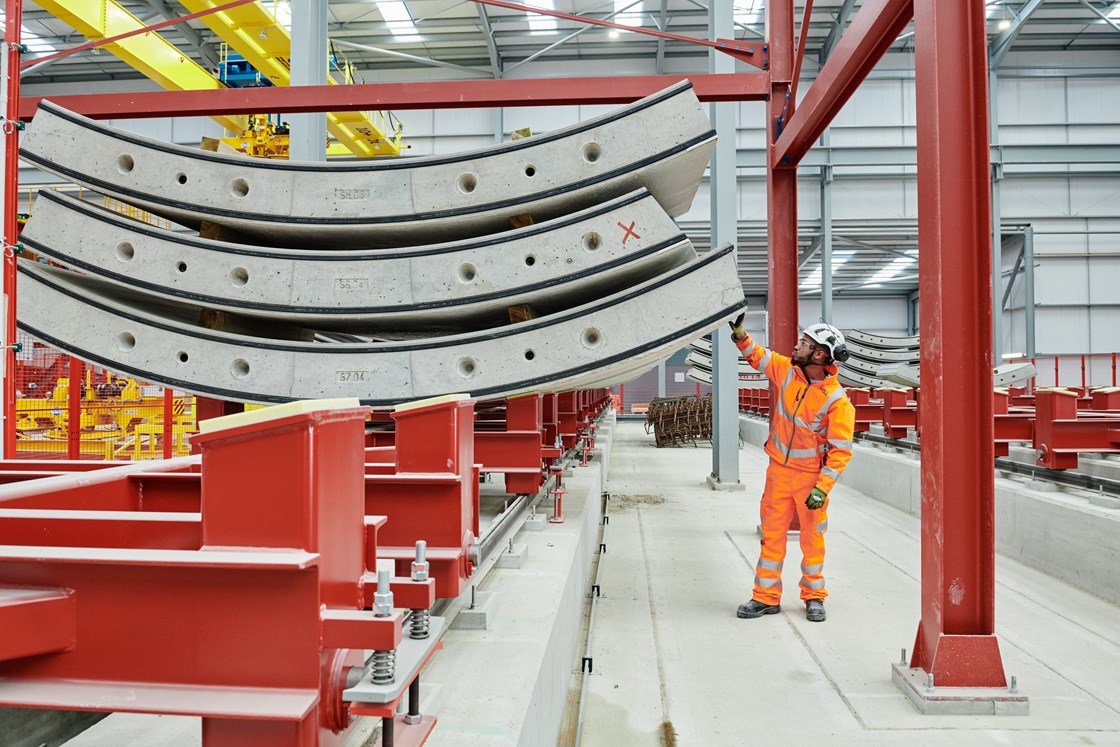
105	416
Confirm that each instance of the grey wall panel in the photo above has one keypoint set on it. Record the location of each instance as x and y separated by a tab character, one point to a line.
870	200
1062	329
1104	324
1062	281
1096	98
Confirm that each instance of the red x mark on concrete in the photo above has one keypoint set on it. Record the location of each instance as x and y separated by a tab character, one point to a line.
629	231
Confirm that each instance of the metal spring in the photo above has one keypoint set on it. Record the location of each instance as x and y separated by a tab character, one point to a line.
419	623
384	667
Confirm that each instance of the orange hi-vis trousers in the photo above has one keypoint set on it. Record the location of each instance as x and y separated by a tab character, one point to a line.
785	492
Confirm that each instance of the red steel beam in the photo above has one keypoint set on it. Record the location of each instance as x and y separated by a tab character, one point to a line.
753	53
13	10
873	30
781	186
956	640
455	94
781	193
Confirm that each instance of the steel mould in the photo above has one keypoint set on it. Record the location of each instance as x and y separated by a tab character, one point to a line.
900	411
248	612
1061	432
427	483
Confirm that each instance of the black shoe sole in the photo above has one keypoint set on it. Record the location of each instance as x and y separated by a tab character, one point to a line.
773	610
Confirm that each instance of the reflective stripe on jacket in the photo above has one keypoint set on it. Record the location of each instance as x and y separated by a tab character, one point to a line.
811	428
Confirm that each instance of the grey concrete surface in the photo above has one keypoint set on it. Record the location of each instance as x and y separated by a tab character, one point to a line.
669	649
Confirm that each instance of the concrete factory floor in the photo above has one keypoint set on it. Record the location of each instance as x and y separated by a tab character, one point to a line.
668	648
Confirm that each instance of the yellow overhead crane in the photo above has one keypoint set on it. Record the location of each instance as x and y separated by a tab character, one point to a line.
150	54
255	34
249	29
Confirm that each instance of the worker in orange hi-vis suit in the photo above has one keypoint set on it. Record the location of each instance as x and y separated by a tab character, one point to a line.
810	444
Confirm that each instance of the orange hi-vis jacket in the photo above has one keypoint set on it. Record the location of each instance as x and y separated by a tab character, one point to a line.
811	429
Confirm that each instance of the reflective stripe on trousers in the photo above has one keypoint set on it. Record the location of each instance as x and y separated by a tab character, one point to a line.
785	492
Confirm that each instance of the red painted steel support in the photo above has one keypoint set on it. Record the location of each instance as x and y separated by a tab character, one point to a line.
752	53
875	27
514	452
900	411
806	16
430	493
36	622
250	624
1084	384
1061	432
1010	427
568	413
956	640
551	448
781	192
74	410
13	31
168	421
453	94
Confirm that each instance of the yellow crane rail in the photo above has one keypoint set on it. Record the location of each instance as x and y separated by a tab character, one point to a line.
255	34
149	54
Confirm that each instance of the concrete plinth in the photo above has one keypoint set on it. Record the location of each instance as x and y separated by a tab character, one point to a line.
956	701
478	616
716	484
513	557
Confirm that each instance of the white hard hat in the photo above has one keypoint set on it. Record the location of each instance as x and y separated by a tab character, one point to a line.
831	338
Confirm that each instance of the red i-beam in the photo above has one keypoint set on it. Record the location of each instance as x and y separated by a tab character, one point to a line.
956	640
13	11
781	184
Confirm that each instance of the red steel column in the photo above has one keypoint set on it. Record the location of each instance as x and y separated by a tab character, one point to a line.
781	193
13	12
74	410
956	640
781	184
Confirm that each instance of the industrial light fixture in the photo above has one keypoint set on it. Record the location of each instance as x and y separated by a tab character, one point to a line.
613	33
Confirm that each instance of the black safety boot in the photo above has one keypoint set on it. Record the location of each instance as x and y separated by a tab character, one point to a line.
755	608
814	610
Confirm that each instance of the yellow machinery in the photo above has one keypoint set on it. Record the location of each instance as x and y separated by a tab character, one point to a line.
150	54
253	32
118	421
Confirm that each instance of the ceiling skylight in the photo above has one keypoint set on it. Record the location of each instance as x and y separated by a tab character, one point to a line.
749	12
33	41
398	19
627	17
539	24
838	260
895	268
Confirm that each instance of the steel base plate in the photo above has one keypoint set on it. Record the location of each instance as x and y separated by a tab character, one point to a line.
957	701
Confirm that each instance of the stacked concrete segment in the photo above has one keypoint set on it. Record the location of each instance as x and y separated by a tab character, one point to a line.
662	143
592	344
450	287
580	278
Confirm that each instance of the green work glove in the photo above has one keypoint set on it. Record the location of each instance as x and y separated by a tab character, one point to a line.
737	331
815	499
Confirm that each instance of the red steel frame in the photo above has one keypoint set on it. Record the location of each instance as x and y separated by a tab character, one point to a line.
145	597
956	642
